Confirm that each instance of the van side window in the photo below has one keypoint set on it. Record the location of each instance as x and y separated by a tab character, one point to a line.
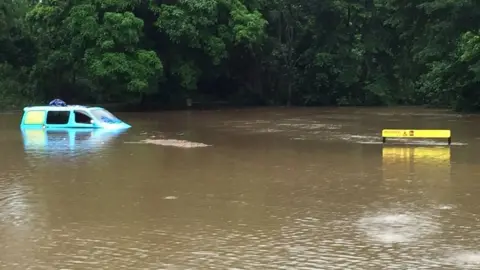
82	117
58	117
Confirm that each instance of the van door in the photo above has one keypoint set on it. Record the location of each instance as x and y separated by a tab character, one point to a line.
82	118
57	119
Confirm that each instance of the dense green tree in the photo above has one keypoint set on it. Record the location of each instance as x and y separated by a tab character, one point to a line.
283	52
16	54
93	47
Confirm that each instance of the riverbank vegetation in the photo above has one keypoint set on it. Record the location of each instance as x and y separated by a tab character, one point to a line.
243	52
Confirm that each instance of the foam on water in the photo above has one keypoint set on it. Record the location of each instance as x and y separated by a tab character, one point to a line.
391	228
445	207
173	142
391	237
369	142
267	130
465	259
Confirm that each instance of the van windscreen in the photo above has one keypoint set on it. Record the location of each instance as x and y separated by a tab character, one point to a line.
105	116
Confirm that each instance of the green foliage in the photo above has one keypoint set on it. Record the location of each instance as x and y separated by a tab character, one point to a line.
303	52
95	40
203	32
14	87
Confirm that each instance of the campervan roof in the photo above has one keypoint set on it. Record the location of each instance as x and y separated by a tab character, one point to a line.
57	108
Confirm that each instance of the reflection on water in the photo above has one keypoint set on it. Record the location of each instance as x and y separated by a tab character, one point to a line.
277	189
67	141
418	166
417	155
427	171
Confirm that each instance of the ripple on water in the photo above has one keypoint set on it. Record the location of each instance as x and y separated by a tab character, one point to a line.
388	228
303	243
14	204
465	259
309	126
366	139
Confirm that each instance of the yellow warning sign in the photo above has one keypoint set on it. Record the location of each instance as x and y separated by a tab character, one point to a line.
416	133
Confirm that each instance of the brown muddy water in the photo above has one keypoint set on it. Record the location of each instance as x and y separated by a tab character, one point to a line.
243	189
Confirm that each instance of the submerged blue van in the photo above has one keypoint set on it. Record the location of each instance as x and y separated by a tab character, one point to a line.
71	116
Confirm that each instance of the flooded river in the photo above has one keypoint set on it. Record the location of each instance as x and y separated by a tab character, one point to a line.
243	189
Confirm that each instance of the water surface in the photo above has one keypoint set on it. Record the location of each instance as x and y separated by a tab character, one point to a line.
268	189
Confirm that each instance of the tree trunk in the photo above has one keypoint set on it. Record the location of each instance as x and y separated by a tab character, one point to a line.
289	100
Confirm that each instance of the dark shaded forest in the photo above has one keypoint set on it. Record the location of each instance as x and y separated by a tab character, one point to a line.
241	52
